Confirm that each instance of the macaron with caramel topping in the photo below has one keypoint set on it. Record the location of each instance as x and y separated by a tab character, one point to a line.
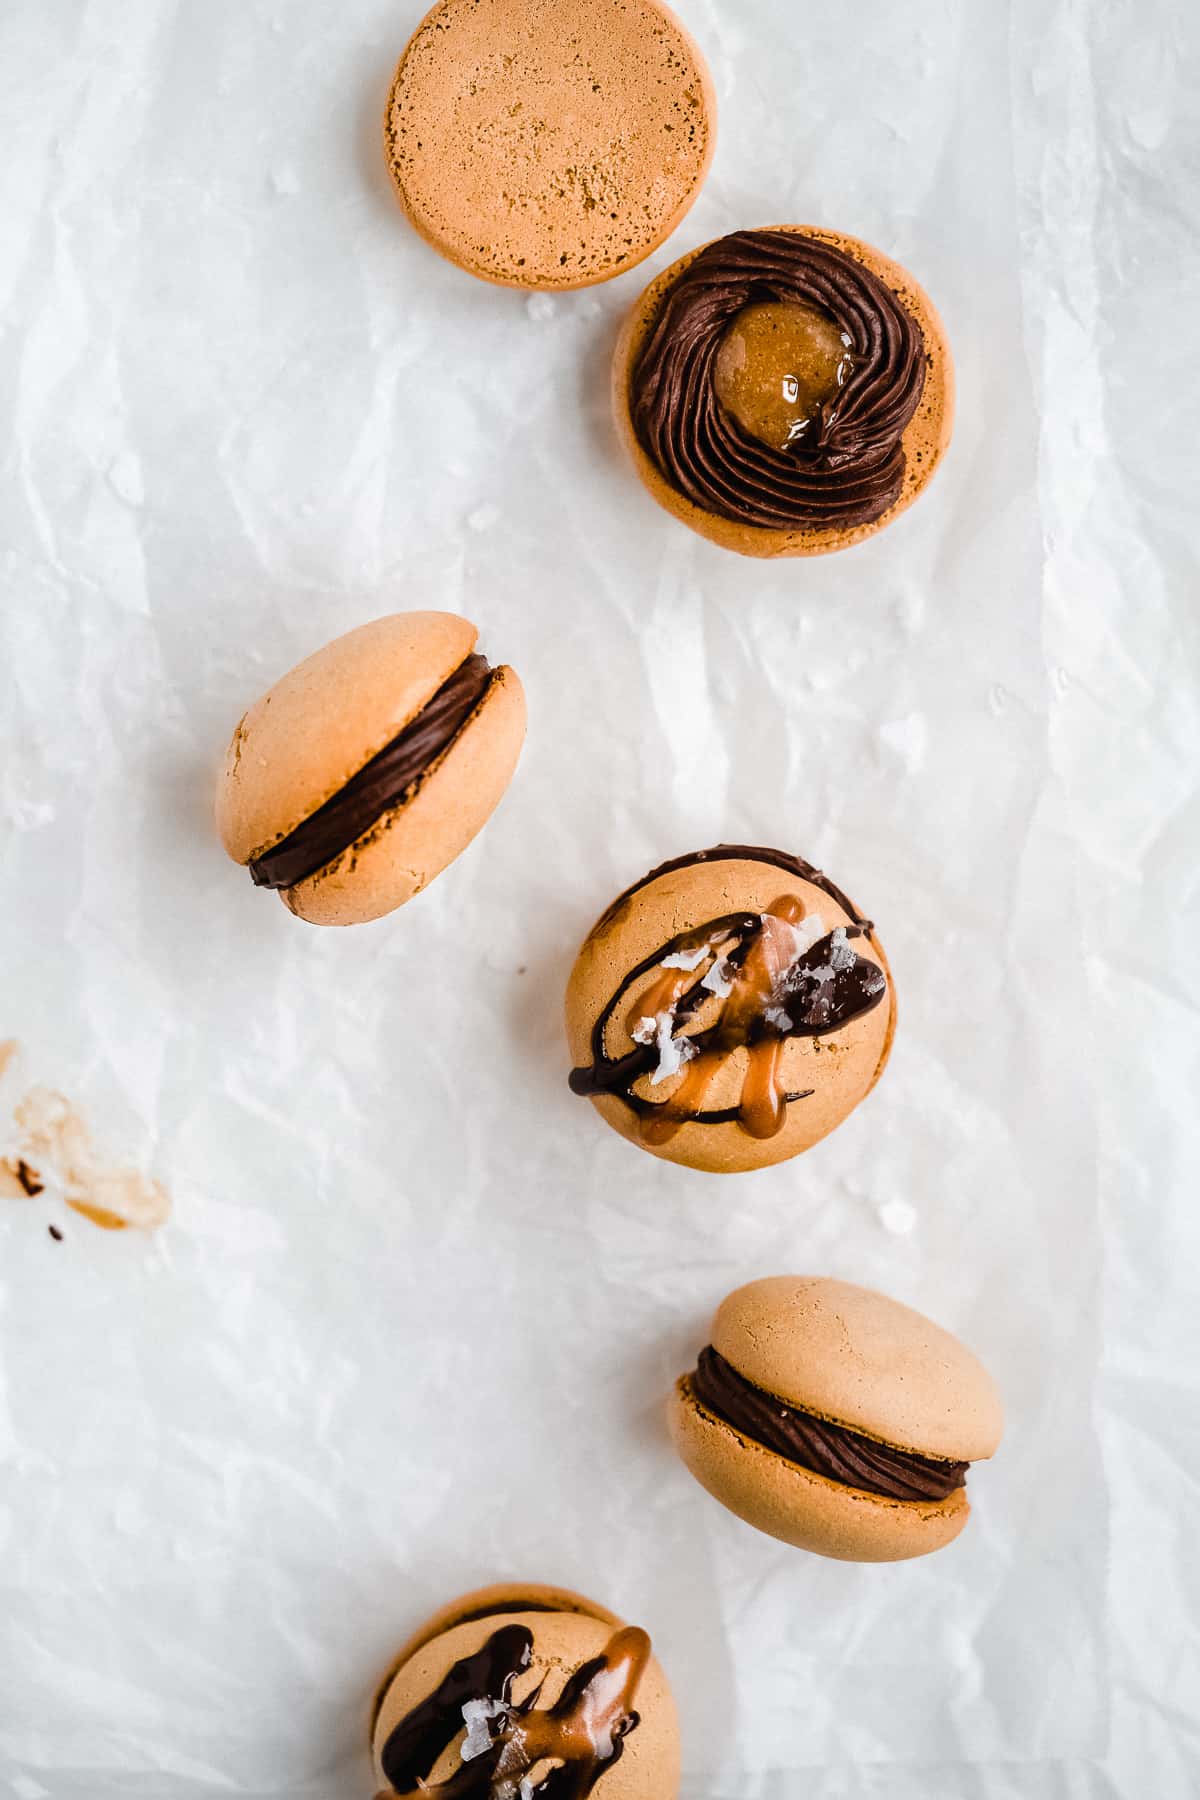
729	1009
368	768
549	143
527	1689
785	392
835	1419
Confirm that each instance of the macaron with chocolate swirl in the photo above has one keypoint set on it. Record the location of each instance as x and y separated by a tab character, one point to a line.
367	768
526	1690
835	1419
786	391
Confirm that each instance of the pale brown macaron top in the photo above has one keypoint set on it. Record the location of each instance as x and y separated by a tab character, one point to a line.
523	1688
370	766
549	143
785	391
836	1419
730	1009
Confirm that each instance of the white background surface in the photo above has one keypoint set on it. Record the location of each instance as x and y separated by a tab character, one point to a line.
413	1320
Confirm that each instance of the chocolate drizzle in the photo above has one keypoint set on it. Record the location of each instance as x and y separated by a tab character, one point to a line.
582	1734
745	982
778	859
850	468
380	784
834	1451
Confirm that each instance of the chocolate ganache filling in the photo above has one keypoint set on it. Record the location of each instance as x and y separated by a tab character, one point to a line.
583	1733
745	981
834	1451
379	785
848	467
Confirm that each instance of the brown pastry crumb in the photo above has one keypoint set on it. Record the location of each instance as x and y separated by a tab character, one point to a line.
18	1178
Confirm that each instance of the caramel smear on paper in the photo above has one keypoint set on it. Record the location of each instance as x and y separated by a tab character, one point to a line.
55	1133
8	1049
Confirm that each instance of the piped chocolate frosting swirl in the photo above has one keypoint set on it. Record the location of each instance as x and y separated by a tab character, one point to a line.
583	1733
835	1451
849	469
381	784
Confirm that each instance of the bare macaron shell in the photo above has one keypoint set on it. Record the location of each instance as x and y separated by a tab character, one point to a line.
549	143
299	745
568	1631
853	1355
855	1358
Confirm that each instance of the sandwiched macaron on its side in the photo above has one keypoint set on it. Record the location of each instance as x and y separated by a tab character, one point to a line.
549	144
369	767
729	1010
835	1419
784	392
529	1686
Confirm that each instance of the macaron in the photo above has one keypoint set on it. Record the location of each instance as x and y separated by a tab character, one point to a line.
368	768
786	391
729	1009
549	143
523	1689
835	1419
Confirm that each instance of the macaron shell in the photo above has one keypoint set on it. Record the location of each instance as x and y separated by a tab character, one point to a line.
649	1766
925	439
861	1359
549	143
799	1507
409	846
841	1067
326	718
498	1597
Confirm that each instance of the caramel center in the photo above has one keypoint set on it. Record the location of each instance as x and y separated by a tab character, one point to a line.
777	365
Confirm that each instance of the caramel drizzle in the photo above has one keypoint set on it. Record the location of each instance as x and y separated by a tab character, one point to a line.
773	994
580	1736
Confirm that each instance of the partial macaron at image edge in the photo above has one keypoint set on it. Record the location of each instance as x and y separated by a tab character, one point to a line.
591	1684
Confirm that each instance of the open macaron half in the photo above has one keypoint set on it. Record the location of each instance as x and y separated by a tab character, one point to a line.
835	1419
549	144
368	768
785	391
526	1689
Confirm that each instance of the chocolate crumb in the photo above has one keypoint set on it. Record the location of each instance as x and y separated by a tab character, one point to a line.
17	1177
55	1233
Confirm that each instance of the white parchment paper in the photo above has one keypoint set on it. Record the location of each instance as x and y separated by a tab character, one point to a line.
412	1323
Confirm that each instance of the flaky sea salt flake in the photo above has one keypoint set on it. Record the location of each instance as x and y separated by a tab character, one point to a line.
673	1052
477	1717
685	959
719	980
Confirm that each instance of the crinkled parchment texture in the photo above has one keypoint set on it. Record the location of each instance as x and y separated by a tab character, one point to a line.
412	1322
